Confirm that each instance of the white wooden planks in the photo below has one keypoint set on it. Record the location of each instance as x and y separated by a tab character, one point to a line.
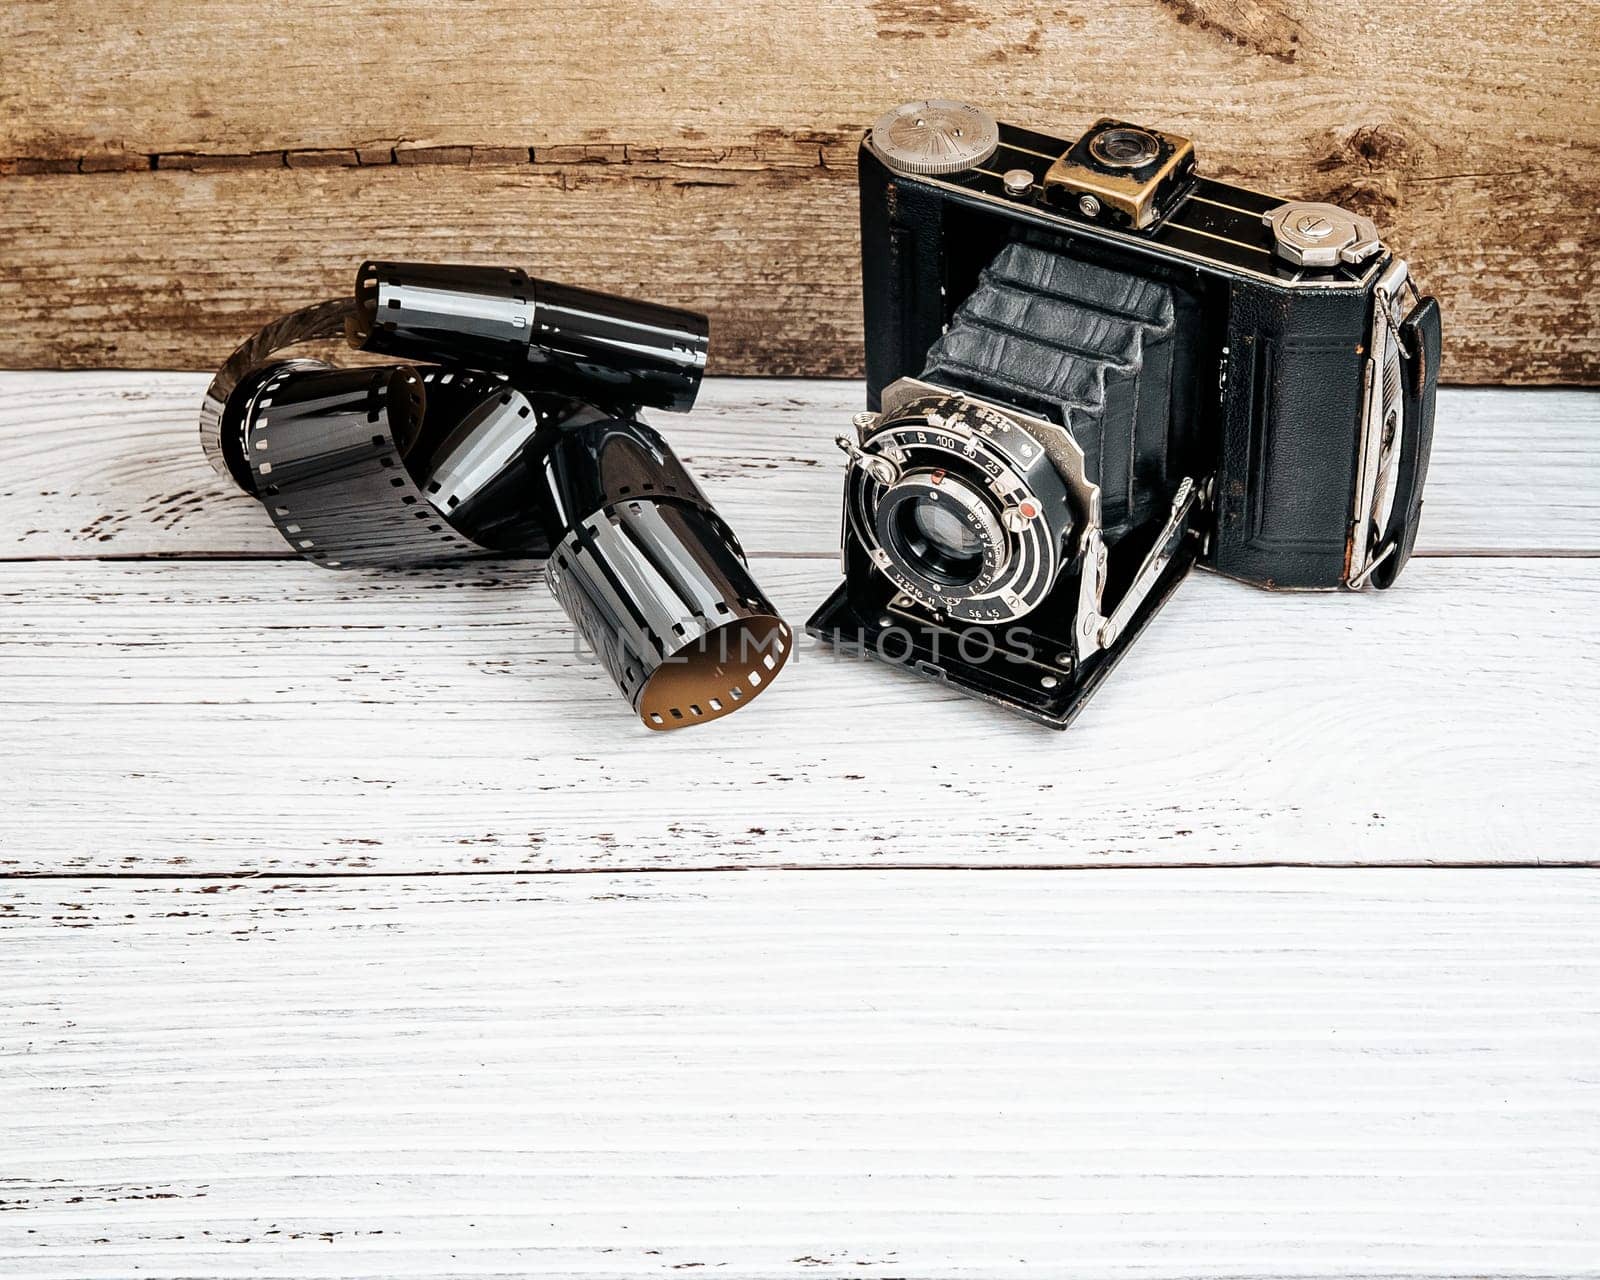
1199	1073
272	716
97	464
249	715
110	464
1182	1072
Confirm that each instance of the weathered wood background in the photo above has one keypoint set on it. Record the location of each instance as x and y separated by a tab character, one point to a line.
173	174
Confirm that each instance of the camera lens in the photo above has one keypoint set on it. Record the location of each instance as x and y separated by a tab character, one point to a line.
938	541
941	529
1124	148
967	510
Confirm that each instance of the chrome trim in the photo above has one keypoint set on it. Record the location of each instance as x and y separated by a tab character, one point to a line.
911	399
1154	564
1220	204
1097	231
1383	428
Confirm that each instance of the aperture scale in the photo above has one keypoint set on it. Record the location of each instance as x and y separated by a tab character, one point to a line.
984	451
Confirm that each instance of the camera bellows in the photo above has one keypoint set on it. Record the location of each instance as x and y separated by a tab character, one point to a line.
661	593
1092	349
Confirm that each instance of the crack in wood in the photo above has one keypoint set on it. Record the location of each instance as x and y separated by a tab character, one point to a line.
772	149
1269	29
268	876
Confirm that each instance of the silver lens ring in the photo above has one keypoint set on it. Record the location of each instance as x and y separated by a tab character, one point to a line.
929	554
1002	483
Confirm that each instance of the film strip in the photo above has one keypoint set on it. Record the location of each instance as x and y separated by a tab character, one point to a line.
328	450
227	397
570	340
332	453
518	436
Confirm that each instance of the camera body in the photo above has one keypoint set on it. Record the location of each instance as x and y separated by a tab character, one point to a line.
1223	377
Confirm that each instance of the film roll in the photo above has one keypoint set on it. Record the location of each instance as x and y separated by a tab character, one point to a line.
655	580
563	338
328	451
523	440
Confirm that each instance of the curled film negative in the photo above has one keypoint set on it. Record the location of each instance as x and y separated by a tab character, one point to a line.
558	337
523	440
655	579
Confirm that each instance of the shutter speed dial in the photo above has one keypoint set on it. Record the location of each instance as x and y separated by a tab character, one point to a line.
934	136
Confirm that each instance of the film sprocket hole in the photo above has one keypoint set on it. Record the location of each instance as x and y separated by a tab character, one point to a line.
1089	369
519	436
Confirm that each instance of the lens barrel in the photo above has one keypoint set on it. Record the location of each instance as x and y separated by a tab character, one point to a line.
987	559
554	337
941	529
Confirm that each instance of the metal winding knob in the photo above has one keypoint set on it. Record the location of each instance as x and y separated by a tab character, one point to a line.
934	136
1312	234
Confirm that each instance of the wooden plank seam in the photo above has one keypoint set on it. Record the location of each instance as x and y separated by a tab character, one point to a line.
819	150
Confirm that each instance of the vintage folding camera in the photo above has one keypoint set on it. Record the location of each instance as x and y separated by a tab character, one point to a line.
519	435
1090	368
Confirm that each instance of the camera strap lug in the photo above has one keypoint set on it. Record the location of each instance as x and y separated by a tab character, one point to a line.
1394	284
879	466
1360	580
1385	425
